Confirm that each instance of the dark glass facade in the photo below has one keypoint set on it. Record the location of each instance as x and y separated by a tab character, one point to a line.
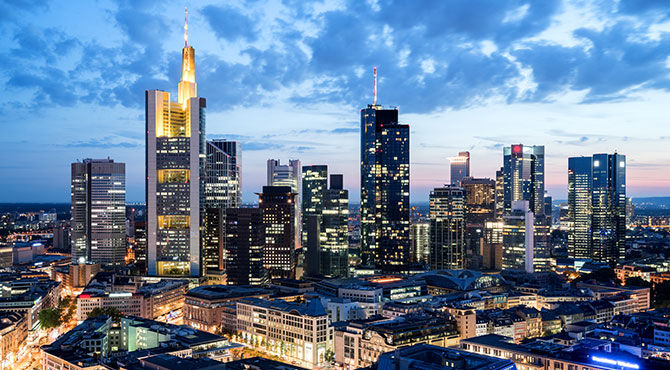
608	204
244	240
447	228
523	172
277	205
579	206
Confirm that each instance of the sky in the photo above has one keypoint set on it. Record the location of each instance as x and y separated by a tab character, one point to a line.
287	79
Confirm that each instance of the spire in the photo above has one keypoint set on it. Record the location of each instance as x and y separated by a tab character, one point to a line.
185	27
375	92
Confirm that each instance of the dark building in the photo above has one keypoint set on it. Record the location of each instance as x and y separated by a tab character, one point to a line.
479	208
140	247
459	168
214	242
608	204
523	173
384	189
244	240
314	185
447	228
277	205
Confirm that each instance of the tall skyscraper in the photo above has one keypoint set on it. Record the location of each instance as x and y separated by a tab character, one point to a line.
175	174
335	229
579	207
314	186
447	228
277	204
523	172
98	211
222	190
479	208
384	188
460	167
245	238
608	206
525	239
420	241
288	175
500	194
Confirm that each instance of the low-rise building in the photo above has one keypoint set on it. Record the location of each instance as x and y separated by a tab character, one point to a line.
301	332
28	294
425	356
13	334
641	295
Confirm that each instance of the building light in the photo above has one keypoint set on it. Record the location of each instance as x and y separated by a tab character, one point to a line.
615	362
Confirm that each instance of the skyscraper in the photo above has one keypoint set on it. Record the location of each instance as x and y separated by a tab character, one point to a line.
277	204
384	188
525	239
579	207
175	174
479	208
98	211
420	241
222	190
245	238
447	228
335	229
608	206
288	175
500	194
314	186
460	167
523	172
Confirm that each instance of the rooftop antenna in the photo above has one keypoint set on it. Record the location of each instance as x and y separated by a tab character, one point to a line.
375	92
185	27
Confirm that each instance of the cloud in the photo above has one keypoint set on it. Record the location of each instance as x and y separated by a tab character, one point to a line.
105	142
346	130
229	24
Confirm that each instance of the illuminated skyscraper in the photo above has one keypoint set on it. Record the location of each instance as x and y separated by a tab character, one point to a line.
244	240
314	186
579	207
525	239
523	172
288	175
479	208
384	188
460	168
447	228
277	204
420	241
175	173
98	212
608	206
500	194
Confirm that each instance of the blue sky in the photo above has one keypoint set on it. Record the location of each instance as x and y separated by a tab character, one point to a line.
287	79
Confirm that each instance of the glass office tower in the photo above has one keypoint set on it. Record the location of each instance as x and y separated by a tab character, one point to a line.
98	212
384	189
288	175
523	172
244	240
447	228
608	206
175	174
459	167
314	186
277	204
579	207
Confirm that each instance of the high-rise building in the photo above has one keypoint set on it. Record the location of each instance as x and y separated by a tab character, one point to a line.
597	207
447	228
98	212
288	175
608	207
140	246
579	207
523	172
500	194
244	240
525	239
492	247
420	241
314	186
175	174
384	189
460	167
277	204
335	229
223	181
479	208
222	190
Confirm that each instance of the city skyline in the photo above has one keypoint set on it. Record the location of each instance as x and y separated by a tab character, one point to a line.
302	107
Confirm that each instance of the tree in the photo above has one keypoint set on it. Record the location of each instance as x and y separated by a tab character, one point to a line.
329	355
604	275
50	318
112	312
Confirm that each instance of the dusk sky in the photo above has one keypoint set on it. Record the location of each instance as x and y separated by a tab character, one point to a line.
288	79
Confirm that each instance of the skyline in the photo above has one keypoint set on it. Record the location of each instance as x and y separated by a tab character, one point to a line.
574	109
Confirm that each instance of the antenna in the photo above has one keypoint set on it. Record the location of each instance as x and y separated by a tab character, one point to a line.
185	27
375	92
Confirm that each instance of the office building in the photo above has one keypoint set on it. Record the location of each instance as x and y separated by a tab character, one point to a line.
278	206
460	167
176	153
523	177
479	208
301	332
289	175
525	240
98	212
223	181
384	189
314	185
579	207
428	357
213	248
500	194
608	207
244	241
420	241
447	228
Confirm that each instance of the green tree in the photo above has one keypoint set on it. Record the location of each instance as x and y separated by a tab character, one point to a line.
329	356
50	318
112	312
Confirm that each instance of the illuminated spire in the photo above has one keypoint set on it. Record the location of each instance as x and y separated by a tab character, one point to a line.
185	27
375	92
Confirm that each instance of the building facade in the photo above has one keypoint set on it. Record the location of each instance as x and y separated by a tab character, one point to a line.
289	175
420	241
278	206
98	212
244	240
459	167
523	173
384	189
579	207
175	175
447	228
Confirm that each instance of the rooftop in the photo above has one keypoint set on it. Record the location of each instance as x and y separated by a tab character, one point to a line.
312	308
